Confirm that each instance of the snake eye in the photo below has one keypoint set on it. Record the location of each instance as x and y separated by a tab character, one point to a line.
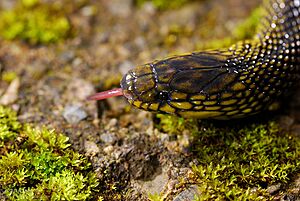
163	95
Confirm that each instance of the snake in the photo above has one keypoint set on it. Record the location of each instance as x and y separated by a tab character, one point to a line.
235	82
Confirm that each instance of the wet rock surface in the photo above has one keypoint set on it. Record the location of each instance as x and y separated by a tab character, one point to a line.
54	82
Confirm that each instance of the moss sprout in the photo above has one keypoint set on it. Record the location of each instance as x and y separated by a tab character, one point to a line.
34	22
38	164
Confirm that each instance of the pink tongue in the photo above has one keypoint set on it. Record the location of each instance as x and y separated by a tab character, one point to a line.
106	94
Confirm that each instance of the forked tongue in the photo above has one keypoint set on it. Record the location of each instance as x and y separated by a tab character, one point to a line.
106	94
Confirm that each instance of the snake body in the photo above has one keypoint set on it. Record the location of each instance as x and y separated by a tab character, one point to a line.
229	83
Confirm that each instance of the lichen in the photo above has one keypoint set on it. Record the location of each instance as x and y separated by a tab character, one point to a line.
34	22
38	164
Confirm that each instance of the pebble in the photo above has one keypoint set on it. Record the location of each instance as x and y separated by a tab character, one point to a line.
79	89
273	189
73	114
91	148
11	93
188	194
88	11
108	138
156	185
112	125
67	56
120	8
109	149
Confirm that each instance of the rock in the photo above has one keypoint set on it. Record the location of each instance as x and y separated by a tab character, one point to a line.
188	194
73	114
109	149
108	138
11	93
273	189
88	11
91	148
156	185
120	8
111	124
67	56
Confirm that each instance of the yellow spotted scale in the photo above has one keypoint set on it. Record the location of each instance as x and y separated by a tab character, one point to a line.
242	80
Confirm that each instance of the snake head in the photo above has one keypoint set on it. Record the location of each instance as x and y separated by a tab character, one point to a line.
139	86
167	85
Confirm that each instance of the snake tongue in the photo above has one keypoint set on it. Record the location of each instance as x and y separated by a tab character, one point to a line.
106	94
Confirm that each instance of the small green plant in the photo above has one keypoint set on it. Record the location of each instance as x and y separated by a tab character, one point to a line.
163	4
34	22
155	197
38	164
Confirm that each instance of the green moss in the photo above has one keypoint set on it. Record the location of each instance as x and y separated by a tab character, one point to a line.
163	4
238	162
234	161
155	197
38	164
175	125
34	22
9	125
9	76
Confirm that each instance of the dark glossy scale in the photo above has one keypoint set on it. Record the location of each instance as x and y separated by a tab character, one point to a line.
233	83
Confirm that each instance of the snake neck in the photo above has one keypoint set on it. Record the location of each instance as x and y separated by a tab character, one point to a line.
277	44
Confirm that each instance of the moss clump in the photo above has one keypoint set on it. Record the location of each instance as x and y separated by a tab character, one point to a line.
163	4
39	165
34	22
9	76
239	162
9	126
175	125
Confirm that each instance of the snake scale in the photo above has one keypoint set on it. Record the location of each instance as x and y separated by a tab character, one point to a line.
242	80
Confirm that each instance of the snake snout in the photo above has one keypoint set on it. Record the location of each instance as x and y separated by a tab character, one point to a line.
139	84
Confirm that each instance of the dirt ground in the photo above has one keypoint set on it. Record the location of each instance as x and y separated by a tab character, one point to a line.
55	80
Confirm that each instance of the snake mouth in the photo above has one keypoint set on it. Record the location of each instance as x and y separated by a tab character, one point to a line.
127	86
127	94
